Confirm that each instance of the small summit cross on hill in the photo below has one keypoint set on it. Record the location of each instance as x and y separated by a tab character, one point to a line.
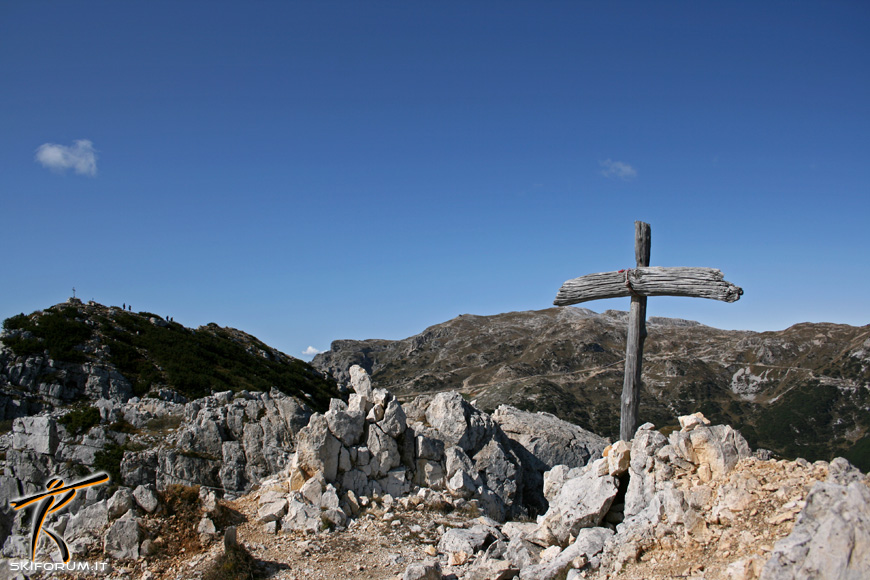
639	283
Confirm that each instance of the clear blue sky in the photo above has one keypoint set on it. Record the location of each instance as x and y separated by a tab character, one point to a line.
310	171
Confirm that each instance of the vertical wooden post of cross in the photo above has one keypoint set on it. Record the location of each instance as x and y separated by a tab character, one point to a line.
636	335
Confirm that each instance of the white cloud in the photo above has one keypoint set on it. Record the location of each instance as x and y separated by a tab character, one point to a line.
311	351
618	169
80	157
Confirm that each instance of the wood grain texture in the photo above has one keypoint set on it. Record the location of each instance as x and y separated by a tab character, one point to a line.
630	404
642	243
649	281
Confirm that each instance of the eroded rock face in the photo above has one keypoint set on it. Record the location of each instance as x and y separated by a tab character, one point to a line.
384	450
317	448
122	539
643	466
542	441
711	450
38	434
590	541
443	443
37	382
120	503
429	570
549	439
831	538
458	423
360	381
346	424
247	436
581	503
469	541
501	470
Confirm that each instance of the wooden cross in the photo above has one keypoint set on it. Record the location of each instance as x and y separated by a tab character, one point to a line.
639	283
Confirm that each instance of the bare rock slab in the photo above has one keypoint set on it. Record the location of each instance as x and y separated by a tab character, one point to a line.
122	539
429	570
461	540
582	503
590	541
550	439
831	538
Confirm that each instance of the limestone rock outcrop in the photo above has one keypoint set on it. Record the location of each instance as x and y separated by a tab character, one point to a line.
226	441
831	538
372	445
543	441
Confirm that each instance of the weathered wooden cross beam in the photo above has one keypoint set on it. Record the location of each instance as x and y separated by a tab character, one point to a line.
638	283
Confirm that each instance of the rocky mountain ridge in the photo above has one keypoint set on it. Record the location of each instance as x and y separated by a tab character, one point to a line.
801	392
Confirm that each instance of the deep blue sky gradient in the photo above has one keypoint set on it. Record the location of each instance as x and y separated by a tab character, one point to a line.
309	171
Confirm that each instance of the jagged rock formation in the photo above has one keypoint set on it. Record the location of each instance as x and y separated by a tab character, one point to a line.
227	442
835	523
804	391
372	445
695	503
687	489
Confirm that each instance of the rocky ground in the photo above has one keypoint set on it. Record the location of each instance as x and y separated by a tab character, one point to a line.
438	489
764	500
775	493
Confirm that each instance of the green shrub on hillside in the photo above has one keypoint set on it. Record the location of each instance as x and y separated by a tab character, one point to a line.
193	362
197	362
56	331
109	460
802	422
24	346
16	322
80	421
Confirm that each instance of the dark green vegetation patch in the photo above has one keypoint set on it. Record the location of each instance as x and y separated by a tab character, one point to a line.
151	352
80	421
812	419
109	459
197	362
61	332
